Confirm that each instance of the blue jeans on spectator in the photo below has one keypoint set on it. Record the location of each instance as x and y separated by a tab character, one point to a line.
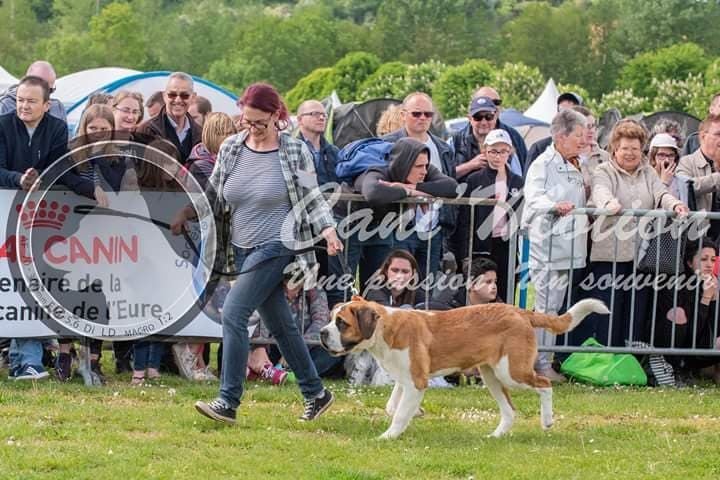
24	352
372	252
262	290
147	355
417	244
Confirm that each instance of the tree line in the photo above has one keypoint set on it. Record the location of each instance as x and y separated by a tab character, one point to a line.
604	48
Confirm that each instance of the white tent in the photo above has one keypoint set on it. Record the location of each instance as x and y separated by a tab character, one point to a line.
148	83
72	88
6	80
545	106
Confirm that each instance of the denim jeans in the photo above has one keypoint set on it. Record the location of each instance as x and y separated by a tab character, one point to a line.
148	355
262	290
25	351
369	254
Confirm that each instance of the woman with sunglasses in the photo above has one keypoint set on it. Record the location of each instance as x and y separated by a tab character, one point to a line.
267	179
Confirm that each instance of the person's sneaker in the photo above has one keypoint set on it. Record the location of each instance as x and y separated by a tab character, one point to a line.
63	367
552	375
273	375
317	406
31	372
217	410
185	359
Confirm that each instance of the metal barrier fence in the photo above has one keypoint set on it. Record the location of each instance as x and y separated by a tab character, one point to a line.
518	279
632	341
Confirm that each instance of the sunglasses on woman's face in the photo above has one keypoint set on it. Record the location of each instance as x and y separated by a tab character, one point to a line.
420	114
182	95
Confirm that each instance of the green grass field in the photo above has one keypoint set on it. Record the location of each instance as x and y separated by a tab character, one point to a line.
59	431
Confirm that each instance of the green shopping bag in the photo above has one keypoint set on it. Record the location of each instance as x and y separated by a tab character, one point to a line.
604	369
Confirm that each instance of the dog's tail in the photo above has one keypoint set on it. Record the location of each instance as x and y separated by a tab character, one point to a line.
568	321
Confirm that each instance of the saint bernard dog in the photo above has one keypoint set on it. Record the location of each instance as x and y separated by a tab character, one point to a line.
414	346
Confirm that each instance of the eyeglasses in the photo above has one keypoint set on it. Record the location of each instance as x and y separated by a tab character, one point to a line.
497	153
256	124
420	114
497	101
182	95
314	114
129	111
486	116
665	156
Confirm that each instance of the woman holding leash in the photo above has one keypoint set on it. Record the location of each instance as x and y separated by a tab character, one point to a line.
267	179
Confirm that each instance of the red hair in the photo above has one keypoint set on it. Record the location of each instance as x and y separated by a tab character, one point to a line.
264	97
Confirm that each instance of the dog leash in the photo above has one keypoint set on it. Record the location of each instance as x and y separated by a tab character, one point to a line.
95	210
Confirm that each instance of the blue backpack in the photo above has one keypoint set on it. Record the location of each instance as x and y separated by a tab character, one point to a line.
356	157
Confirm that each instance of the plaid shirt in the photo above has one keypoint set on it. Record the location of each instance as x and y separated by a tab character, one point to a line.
311	211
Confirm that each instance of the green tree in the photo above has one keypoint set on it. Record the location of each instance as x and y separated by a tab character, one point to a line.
388	81
518	84
414	31
19	30
676	63
317	84
456	85
349	73
116	39
554	39
282	50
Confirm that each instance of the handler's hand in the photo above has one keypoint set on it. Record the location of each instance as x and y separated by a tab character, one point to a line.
334	245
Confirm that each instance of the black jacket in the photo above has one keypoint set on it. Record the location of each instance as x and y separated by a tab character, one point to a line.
448	213
159	127
466	146
536	149
402	159
49	143
481	184
325	168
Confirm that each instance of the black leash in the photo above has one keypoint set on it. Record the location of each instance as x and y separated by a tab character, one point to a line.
95	210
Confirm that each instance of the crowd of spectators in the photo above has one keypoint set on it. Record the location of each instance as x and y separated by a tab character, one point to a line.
543	189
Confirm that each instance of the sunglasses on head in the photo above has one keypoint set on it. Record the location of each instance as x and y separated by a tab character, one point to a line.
182	95
497	101
483	116
420	114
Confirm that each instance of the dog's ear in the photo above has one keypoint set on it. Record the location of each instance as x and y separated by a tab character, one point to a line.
357	298
367	321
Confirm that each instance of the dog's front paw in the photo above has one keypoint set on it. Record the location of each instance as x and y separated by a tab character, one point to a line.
499	432
389	435
547	423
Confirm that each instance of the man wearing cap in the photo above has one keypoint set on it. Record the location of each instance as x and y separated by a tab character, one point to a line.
492	223
40	69
483	116
693	141
564	101
703	166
